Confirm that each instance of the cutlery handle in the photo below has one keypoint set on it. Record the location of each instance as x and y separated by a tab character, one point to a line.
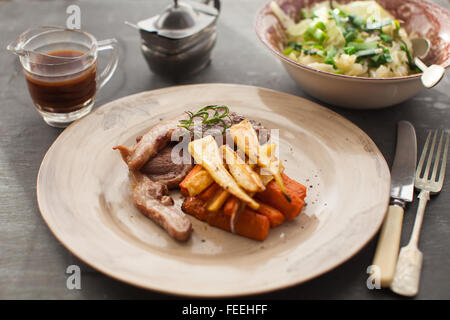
389	244
407	275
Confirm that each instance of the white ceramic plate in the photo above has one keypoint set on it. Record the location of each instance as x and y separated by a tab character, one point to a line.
83	195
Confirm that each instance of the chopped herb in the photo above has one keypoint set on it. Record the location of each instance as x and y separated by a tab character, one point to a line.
339	11
363	46
320	25
295	46
386	38
304	14
292	46
357	21
350	50
316	25
287	51
350	36
316	31
376	24
369	24
312	52
319	35
368	52
381	58
318	46
387	55
330	57
354	47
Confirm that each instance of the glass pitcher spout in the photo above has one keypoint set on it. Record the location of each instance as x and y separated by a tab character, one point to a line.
16	46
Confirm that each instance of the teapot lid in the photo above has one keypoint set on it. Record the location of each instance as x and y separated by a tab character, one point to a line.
180	20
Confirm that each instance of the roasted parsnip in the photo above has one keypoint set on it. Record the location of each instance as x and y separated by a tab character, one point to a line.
241	171
218	200
246	139
196	181
206	153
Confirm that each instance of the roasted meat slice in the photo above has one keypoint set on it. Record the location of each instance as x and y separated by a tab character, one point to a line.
163	169
150	143
151	198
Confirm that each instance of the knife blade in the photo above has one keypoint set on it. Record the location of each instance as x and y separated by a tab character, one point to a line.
402	190
404	166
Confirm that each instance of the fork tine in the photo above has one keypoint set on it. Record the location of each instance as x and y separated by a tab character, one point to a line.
438	157
430	156
444	161
422	156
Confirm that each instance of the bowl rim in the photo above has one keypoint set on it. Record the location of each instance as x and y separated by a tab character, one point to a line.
261	37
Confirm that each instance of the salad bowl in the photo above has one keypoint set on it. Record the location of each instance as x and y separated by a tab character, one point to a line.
419	18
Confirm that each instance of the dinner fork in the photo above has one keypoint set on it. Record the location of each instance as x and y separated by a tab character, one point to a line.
409	264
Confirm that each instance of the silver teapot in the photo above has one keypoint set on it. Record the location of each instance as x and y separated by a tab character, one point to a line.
178	42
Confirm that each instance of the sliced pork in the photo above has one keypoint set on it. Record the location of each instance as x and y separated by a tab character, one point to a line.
150	143
151	198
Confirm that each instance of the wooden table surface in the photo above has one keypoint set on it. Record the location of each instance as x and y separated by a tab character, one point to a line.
33	263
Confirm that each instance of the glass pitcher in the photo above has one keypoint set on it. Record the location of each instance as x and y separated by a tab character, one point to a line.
60	67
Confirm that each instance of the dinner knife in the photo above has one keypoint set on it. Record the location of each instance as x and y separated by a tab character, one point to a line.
402	190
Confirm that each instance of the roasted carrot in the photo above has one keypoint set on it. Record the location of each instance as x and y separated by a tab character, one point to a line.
275	198
195	207
252	225
249	224
294	186
183	186
231	205
275	216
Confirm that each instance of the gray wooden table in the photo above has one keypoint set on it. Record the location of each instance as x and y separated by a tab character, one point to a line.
33	263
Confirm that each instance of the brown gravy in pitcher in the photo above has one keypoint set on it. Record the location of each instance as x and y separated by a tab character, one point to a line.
61	94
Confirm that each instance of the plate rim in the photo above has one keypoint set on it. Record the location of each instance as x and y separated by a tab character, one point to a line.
180	292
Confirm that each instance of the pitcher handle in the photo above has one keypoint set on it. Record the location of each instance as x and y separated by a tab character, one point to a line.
106	74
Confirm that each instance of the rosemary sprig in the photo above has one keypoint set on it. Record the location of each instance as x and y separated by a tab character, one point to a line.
205	115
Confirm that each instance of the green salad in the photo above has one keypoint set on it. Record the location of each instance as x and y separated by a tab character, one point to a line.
356	39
